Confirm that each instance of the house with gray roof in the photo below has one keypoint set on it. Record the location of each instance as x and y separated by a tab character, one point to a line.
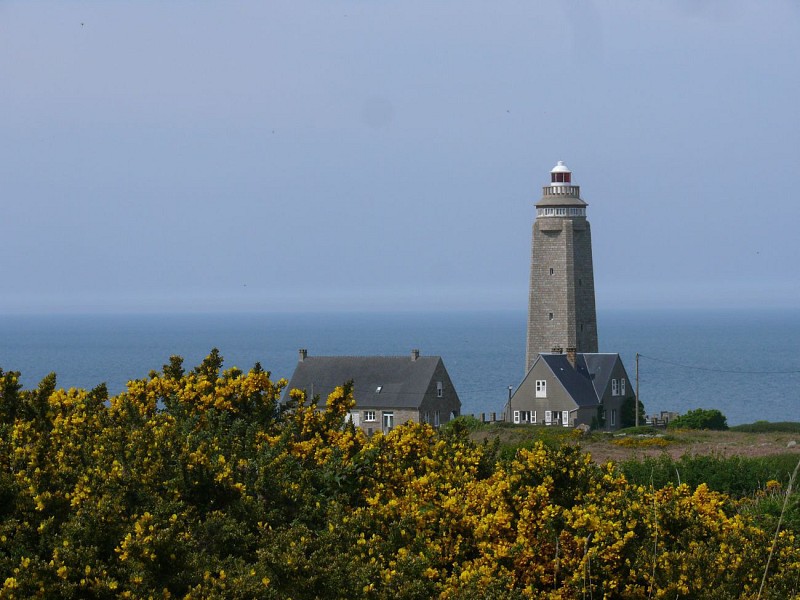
388	390
571	389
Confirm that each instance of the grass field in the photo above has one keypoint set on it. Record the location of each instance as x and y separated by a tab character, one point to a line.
627	446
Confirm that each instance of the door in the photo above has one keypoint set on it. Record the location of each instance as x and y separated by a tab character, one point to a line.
388	421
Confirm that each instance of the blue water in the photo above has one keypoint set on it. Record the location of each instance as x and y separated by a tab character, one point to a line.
725	360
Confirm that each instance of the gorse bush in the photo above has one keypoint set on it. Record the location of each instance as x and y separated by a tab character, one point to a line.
201	484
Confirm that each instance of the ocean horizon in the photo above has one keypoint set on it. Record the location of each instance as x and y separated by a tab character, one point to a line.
743	362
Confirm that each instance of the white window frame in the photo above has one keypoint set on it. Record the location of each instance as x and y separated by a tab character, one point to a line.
548	417
436	418
369	416
516	417
439	390
614	387
541	388
565	418
622	386
533	417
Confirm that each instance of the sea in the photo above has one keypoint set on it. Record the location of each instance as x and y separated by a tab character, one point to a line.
744	363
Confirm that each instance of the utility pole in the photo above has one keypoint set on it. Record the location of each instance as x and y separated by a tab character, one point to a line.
637	389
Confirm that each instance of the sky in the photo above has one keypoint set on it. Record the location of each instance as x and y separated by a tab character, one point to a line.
191	156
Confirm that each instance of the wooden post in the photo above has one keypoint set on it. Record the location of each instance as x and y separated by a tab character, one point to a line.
637	389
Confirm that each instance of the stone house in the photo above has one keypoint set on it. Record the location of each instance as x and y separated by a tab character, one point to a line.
572	389
388	390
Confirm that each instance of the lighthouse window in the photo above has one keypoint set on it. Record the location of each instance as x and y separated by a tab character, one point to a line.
561	212
551	270
550	316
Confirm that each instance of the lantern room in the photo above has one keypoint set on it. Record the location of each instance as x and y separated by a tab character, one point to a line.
560	175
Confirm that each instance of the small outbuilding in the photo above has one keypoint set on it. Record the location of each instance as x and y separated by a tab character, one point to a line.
571	389
388	390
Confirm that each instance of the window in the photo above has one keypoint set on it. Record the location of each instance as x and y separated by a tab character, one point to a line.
369	416
614	387
439	389
561	212
550	316
551	271
516	417
541	388
436	419
622	386
426	418
613	416
565	418
548	417
533	417
378	389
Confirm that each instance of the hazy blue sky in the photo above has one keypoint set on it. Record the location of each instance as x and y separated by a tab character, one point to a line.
380	155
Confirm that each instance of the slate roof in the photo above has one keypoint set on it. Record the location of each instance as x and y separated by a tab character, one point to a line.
402	381
588	380
598	367
577	382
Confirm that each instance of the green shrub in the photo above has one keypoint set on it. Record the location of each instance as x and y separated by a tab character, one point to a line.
463	423
735	475
767	427
700	419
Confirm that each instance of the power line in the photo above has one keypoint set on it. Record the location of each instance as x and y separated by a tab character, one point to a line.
677	364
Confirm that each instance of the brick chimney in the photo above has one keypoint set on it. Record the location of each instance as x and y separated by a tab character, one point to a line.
571	356
557	350
303	353
414	354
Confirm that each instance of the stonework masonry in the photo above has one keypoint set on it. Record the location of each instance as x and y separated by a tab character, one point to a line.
561	307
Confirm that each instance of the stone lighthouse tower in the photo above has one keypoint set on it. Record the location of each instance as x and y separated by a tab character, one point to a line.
561	310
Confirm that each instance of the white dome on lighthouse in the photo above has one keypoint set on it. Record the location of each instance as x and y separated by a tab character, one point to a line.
560	175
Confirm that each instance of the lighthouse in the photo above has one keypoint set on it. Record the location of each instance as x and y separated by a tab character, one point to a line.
561	305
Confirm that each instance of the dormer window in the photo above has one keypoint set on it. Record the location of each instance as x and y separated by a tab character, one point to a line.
439	389
378	389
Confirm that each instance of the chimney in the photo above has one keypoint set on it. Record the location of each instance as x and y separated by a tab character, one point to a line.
557	350
414	354
571	356
303	353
